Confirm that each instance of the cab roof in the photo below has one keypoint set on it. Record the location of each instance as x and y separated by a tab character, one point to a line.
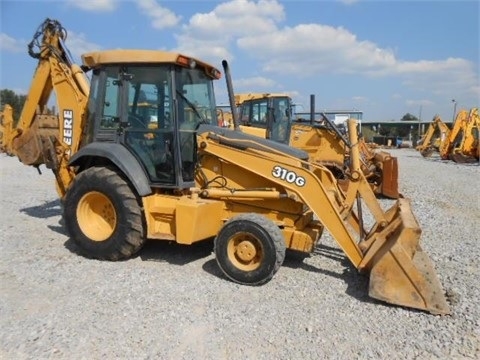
241	98
136	56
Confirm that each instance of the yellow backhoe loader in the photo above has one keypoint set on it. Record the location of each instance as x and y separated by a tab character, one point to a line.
461	144
436	135
269	115
186	180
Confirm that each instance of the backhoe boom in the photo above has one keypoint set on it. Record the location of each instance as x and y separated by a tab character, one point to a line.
44	138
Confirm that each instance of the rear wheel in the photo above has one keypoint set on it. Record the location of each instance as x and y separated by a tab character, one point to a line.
103	216
249	249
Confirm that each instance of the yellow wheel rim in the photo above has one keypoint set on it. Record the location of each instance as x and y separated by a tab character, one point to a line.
245	251
96	216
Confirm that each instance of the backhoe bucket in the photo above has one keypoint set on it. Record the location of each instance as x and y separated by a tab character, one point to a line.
389	166
6	128
400	272
427	152
461	158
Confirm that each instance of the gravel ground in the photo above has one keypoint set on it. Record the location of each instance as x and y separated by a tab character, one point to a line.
171	301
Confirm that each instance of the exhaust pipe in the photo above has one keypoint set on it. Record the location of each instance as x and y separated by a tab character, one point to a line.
312	109
231	95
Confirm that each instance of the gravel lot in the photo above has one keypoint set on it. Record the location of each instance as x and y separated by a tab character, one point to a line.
171	301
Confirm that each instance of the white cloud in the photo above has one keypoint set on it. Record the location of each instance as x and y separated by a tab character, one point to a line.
313	48
207	50
236	18
432	66
308	51
78	44
161	17
94	5
359	99
442	77
257	82
220	28
10	44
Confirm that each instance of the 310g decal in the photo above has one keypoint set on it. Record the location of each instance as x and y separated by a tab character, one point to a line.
289	176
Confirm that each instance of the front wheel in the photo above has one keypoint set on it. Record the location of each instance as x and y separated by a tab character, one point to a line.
249	249
102	215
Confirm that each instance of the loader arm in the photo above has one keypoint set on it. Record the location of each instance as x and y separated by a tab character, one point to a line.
318	192
400	272
39	136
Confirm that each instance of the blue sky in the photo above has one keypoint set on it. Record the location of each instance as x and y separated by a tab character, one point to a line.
385	58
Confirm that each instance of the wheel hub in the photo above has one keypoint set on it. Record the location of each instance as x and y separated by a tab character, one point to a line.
96	216
246	251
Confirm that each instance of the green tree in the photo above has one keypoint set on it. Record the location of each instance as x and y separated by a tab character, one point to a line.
16	101
409	117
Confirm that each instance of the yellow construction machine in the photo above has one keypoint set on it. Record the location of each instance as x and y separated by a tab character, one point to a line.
461	144
186	180
269	115
434	137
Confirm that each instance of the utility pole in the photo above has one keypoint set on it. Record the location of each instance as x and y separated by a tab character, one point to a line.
419	121
454	110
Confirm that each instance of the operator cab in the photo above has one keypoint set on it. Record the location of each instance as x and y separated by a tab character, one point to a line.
154	110
274	114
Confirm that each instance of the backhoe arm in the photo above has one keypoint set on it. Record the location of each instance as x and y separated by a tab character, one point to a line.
428	144
467	148
446	147
41	137
470	143
427	137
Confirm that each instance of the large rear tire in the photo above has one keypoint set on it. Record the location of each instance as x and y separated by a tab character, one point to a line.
249	249
103	216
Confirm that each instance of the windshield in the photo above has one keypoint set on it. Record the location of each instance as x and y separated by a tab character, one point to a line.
195	98
280	127
149	94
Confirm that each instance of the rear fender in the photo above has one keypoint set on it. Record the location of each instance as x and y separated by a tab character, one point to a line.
121	157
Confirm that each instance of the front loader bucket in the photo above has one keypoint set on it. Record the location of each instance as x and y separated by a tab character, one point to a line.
389	166
400	272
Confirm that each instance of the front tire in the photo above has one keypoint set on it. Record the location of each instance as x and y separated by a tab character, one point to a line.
103	216
249	249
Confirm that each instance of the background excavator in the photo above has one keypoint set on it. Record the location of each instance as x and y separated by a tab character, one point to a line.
436	134
461	144
270	115
122	181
